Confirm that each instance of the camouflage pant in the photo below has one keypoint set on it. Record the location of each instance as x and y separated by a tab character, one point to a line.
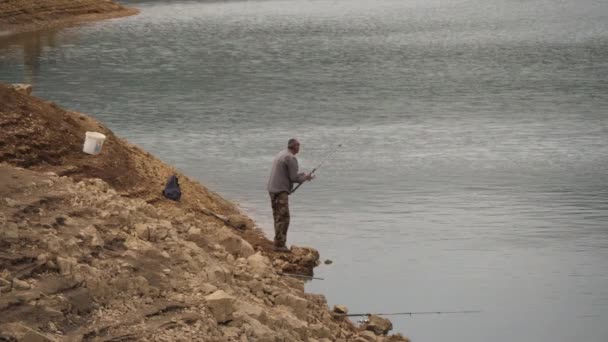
280	211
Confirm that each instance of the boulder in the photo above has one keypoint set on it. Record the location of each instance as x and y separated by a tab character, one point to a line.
221	305
340	309
367	336
299	327
258	263
234	244
378	325
296	304
254	311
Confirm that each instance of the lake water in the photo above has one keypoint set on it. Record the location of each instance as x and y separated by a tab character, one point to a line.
473	168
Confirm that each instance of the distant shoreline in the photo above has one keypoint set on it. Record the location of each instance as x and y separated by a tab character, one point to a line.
22	16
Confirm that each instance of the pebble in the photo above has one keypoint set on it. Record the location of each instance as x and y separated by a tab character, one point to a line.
52	327
11	202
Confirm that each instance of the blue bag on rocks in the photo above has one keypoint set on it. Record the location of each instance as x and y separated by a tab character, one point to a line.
172	190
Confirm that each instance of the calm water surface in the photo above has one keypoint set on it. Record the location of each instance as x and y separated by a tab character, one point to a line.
474	168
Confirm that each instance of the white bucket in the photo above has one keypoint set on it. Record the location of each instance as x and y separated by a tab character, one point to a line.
93	142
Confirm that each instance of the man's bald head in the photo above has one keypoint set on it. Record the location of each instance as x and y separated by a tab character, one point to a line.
293	145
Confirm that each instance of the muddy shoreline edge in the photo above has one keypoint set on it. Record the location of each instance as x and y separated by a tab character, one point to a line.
23	16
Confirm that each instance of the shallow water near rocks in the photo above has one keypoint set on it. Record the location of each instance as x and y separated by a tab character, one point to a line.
475	141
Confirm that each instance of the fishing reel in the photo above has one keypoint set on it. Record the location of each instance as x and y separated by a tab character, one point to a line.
363	321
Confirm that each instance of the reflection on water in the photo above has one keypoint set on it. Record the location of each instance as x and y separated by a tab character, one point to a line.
31	45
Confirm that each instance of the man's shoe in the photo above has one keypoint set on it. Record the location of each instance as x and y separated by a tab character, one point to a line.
281	249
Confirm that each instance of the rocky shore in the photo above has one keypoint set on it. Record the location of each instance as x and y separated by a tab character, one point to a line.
30	15
90	250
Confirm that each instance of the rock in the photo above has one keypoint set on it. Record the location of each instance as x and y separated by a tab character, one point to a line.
367	336
397	338
52	327
258	263
143	231
84	272
221	306
255	286
165	254
297	305
293	324
207	288
132	285
91	235
234	244
153	232
257	330
66	265
320	331
216	274
164	229
21	285
63	220
328	262
42	258
11	202
239	221
194	232
251	310
378	325
280	263
306	258
23	88
52	244
340	309
10	231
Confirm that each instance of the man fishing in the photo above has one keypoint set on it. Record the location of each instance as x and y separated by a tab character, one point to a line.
283	175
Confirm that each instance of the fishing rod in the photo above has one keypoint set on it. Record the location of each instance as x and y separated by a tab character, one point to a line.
299	276
331	153
412	313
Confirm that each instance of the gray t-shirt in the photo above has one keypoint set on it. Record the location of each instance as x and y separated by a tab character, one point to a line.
284	173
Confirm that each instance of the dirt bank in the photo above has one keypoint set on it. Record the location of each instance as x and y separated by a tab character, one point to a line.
90	251
30	15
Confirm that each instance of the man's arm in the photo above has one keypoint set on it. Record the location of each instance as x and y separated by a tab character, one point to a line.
292	170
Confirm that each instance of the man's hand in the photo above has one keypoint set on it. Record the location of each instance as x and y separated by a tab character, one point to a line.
309	177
